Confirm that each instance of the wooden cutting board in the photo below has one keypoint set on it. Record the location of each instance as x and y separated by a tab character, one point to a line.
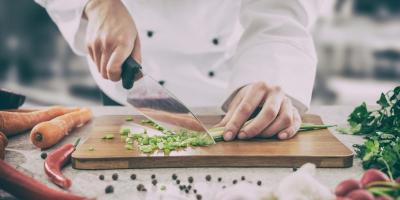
319	147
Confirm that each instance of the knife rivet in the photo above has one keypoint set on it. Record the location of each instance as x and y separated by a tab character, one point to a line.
161	82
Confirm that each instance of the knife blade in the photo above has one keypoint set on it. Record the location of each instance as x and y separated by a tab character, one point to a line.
157	103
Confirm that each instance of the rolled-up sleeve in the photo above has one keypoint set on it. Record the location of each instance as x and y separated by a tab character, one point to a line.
277	48
67	14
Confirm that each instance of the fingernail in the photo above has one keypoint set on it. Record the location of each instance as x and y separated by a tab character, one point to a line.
242	135
283	136
228	136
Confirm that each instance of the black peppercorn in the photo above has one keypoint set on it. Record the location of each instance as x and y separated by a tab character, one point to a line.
215	41
208	178
161	82
114	176
190	179
219	179
194	191
101	177
133	176
109	189
211	73
198	197
140	187
259	182
174	176
43	155
153	176
234	181
243	178
181	187
178	181
223	187
150	34
294	169
187	191
154	182
189	187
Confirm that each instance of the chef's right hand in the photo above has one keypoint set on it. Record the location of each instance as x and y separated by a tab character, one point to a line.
111	36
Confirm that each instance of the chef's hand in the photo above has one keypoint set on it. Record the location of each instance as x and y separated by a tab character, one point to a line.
277	114
111	36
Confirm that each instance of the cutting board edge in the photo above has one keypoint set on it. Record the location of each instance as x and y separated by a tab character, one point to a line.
212	161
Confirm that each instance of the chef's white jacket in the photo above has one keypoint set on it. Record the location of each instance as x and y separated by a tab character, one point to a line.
204	50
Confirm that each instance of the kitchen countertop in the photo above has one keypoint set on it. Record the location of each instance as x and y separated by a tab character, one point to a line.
22	154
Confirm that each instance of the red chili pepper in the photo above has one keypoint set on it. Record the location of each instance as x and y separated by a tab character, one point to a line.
25	187
55	161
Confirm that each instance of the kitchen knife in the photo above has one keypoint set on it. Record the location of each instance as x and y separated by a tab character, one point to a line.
156	102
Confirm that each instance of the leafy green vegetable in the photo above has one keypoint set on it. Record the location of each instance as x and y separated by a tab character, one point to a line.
381	128
108	136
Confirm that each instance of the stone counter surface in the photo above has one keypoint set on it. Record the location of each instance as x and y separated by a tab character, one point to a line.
21	154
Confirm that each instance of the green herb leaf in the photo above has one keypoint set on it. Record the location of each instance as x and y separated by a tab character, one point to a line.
381	149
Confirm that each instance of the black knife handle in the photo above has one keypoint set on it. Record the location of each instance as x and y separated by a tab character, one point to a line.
130	70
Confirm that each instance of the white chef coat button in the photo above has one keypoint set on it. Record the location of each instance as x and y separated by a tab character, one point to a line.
150	34
215	41
161	82
211	73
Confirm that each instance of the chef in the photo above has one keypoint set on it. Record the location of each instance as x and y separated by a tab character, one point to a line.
243	55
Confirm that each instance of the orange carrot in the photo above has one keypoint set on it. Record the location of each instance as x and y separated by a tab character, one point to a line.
3	144
12	123
47	134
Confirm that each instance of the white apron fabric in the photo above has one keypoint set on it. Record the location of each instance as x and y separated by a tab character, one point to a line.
205	50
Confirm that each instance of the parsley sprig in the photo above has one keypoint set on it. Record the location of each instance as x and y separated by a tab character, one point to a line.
381	128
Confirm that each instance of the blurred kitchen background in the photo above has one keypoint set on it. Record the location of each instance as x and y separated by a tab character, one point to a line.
358	44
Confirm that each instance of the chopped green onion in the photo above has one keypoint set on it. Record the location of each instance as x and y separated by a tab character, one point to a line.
129	119
169	141
108	136
128	146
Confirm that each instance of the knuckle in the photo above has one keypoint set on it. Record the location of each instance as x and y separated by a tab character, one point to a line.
108	41
97	42
114	71
290	131
277	88
261	86
251	131
246	109
271	113
233	126
287	120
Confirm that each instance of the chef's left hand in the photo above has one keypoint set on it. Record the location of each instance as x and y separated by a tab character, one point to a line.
277	115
